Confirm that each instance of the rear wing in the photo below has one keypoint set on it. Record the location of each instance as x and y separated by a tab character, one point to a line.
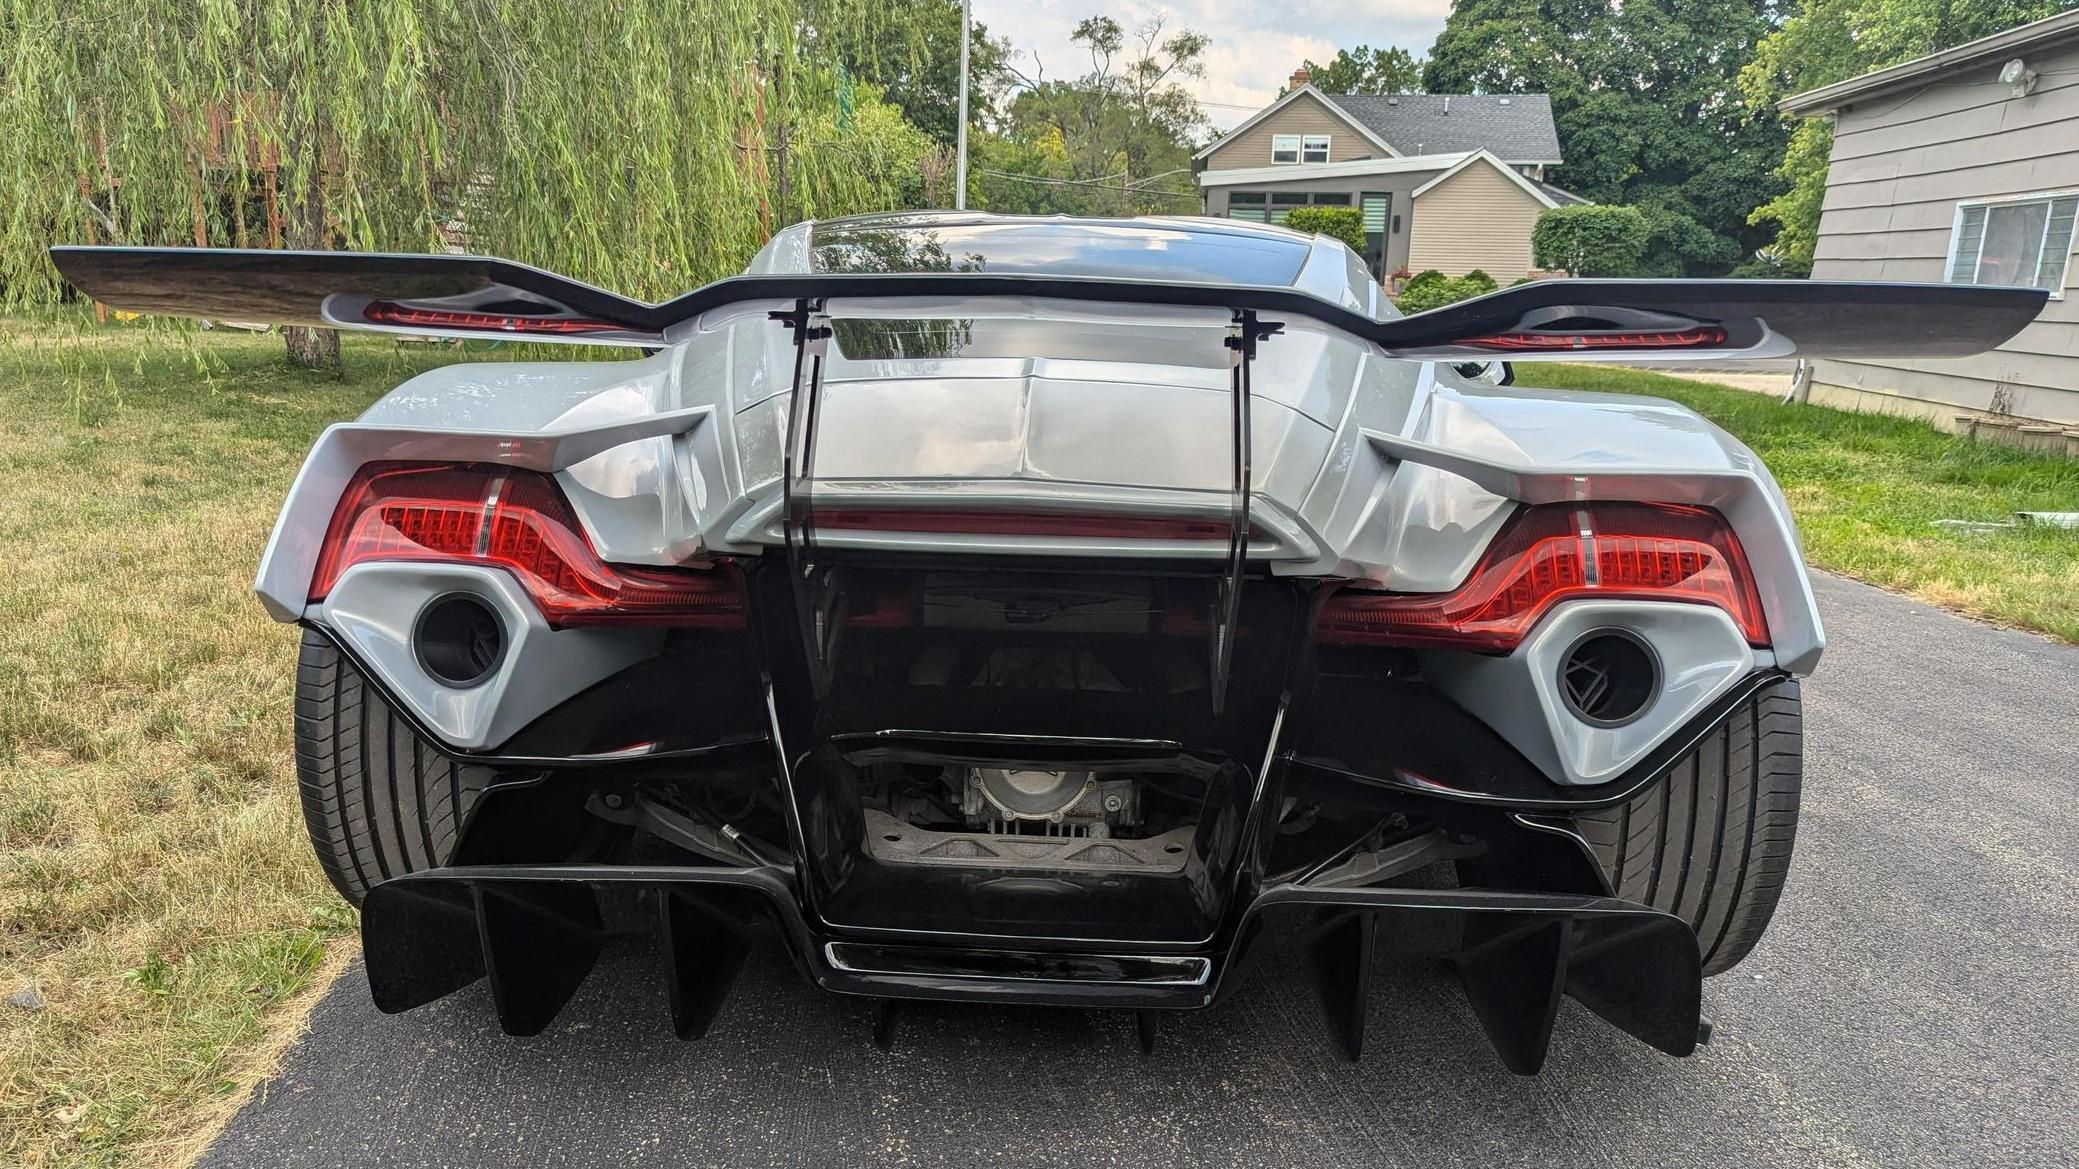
473	296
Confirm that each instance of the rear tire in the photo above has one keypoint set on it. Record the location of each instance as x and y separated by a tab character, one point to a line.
1710	842
379	799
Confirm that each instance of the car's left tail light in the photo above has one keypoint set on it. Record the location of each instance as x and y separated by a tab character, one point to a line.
518	521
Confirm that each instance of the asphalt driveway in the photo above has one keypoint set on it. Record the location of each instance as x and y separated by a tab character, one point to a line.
1917	1003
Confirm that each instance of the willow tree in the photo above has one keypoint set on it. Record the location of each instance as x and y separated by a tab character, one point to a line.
645	145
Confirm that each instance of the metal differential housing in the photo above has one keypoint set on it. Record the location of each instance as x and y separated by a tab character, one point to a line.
1078	799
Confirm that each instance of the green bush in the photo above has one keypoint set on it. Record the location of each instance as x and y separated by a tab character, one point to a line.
1343	223
1589	239
1433	289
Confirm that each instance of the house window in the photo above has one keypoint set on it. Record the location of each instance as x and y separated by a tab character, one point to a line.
1313	148
2018	242
1262	207
1284	148
1375	205
1281	205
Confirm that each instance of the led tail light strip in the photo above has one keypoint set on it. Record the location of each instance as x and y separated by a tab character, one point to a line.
517	521
1022	523
1554	553
1703	336
387	312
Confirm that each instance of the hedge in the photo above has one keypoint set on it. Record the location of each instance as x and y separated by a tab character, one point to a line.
1343	223
1590	239
1433	289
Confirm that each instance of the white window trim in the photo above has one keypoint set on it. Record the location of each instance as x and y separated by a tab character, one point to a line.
1306	143
1956	232
1298	149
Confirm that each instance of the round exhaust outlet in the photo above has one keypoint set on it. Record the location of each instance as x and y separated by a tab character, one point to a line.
1609	677
458	640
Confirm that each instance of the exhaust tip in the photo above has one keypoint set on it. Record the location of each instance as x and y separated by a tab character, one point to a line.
458	640
1609	677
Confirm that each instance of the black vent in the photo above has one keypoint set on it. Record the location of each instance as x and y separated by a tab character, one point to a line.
1609	678
459	640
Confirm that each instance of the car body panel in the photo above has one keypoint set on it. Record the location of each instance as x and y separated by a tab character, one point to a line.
1013	671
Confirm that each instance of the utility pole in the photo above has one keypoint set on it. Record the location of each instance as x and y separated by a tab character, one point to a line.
960	135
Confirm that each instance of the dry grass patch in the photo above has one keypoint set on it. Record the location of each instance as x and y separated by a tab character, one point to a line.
156	890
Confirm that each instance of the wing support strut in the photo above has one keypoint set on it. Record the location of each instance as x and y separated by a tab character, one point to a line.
816	601
1244	335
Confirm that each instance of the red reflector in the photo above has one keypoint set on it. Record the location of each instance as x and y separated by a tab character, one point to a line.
1657	552
385	312
1013	523
1702	335
518	521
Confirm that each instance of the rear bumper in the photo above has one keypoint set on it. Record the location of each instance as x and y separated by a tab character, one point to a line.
534	931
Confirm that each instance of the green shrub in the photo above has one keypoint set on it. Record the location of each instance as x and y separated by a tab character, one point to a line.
1421	281
1433	289
1590	239
1343	223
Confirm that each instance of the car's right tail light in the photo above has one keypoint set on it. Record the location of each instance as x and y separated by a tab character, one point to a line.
518	521
1560	552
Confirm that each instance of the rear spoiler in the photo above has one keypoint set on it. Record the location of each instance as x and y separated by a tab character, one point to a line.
473	296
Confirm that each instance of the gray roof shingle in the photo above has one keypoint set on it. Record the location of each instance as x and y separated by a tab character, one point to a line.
1517	127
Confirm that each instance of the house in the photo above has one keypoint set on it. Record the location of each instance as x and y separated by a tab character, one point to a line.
1961	166
1446	181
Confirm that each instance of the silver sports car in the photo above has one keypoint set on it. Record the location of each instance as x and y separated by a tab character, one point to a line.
1049	611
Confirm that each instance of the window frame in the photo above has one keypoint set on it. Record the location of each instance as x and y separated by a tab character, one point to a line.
2049	199
1277	149
1306	146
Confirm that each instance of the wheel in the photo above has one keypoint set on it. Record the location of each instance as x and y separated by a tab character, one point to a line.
379	799
1711	842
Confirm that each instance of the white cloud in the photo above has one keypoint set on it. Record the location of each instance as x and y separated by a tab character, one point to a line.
1256	44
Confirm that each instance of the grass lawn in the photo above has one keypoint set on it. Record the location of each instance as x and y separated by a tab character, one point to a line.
155	886
1867	489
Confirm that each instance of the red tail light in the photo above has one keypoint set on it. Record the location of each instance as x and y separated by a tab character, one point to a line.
387	312
1702	335
518	521
1557	552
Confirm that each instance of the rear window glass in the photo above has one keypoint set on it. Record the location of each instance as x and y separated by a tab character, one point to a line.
882	339
1132	251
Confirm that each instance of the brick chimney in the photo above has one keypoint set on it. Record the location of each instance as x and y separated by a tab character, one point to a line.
1299	77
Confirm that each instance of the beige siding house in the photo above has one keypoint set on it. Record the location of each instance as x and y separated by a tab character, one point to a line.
1962	167
1475	216
1446	181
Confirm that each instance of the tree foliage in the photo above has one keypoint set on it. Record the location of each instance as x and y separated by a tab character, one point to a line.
1645	99
648	145
1590	239
1114	140
1368	70
913	54
1343	223
1825	41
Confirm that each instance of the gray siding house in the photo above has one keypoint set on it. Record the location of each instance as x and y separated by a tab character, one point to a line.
1446	181
1962	166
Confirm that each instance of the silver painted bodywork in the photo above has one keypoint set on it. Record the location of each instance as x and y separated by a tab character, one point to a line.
1388	472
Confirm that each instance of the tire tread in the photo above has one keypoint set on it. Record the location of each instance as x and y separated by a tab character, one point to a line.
1711	842
379	799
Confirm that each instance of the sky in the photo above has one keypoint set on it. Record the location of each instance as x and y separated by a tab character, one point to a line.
1256	43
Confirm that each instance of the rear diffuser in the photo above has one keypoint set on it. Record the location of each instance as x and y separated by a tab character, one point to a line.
534	931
